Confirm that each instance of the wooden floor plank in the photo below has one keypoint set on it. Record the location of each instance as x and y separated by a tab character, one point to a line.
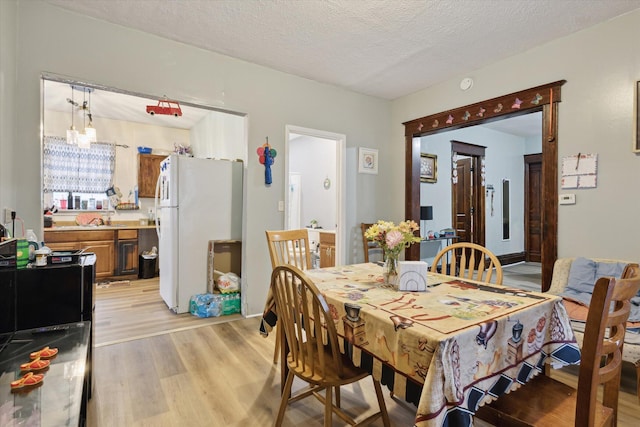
155	368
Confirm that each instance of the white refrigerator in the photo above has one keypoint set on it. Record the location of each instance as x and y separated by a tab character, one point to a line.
197	200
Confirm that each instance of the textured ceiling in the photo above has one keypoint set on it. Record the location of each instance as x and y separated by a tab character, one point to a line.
384	48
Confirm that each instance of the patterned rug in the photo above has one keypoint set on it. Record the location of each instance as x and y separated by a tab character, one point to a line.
109	283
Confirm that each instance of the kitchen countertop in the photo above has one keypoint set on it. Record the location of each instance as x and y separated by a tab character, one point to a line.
116	226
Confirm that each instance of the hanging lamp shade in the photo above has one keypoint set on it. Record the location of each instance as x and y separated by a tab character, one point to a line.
90	133
72	133
83	141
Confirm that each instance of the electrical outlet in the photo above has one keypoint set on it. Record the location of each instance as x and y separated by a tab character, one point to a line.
7	215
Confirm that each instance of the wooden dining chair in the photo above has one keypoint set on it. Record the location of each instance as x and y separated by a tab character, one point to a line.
288	247
468	261
314	354
367	244
544	401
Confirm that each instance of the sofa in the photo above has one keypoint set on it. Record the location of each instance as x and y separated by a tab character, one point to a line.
573	278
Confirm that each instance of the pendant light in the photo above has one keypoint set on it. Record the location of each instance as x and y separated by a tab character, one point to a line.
72	133
90	131
83	139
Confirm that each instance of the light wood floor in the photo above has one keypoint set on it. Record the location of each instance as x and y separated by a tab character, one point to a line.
135	311
208	374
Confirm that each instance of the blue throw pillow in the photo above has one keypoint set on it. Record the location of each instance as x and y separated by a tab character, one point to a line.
610	269
582	275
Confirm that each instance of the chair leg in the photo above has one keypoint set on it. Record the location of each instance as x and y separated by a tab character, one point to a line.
276	352
638	379
337	396
328	407
383	406
284	401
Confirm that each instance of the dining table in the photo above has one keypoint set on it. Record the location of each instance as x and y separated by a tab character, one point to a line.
449	349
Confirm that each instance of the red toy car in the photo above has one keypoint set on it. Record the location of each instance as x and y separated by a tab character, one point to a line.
165	107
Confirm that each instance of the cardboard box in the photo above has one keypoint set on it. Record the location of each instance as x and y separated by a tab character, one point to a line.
223	256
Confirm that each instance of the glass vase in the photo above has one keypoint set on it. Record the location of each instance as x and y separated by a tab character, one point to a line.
390	273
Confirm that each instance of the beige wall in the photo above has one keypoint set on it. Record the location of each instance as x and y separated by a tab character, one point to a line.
601	66
48	40
7	98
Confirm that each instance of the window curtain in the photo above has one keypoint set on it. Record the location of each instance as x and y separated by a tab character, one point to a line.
82	170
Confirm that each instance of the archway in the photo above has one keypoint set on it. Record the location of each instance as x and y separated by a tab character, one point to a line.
544	98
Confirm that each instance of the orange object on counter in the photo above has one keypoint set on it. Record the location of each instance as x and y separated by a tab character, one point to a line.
35	365
45	353
28	380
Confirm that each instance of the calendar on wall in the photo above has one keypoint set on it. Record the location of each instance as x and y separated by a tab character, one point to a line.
580	171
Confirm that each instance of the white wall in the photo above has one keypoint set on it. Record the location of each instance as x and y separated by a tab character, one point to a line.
8	113
314	159
601	66
219	135
114	56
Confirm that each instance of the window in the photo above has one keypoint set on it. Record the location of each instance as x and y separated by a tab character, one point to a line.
80	170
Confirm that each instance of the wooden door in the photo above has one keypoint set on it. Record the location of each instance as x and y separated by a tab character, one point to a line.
462	201
533	207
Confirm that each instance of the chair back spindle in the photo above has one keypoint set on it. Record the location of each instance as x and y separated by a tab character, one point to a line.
468	261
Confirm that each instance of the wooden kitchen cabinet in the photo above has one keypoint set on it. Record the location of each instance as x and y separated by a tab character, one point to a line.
127	252
100	243
327	249
148	171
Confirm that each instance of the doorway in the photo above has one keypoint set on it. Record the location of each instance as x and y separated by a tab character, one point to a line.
544	98
532	207
315	184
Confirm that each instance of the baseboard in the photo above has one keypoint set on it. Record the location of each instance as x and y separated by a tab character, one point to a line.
513	258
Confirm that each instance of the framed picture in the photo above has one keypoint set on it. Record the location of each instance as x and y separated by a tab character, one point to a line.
428	168
367	160
636	122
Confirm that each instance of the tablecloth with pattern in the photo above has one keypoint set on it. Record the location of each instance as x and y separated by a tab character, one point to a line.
449	349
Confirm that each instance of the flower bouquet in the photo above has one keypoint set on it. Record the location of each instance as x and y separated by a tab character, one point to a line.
392	239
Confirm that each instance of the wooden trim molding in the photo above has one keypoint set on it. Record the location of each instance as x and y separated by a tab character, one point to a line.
543	98
504	106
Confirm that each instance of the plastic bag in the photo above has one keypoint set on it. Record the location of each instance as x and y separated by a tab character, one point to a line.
229	282
205	305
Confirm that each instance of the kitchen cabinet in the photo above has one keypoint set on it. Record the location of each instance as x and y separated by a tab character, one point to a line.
327	249
127	252
100	242
148	171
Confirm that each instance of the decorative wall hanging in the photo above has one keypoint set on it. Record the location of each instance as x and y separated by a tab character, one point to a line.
266	156
326	183
166	107
454	168
428	168
368	160
580	171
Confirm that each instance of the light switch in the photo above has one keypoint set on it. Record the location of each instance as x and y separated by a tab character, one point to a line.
280	206
567	199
